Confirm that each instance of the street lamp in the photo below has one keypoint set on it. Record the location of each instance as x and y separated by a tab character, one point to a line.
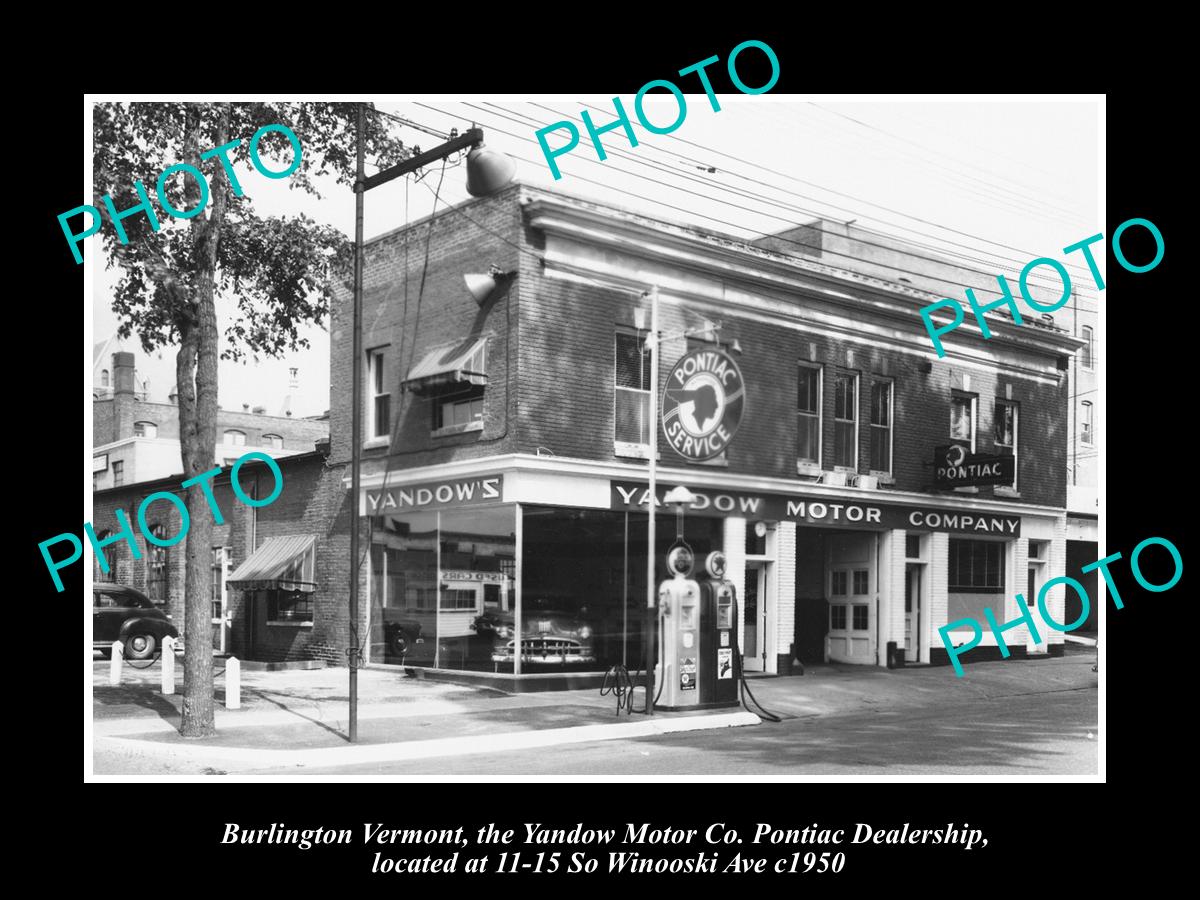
487	172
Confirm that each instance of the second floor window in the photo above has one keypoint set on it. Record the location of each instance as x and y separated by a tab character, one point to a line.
962	419
118	469
380	398
632	382
1005	430
1085	424
234	437
145	429
104	378
459	410
1085	355
274	441
881	426
808	415
845	420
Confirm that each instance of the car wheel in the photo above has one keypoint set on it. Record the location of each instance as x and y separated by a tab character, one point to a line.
399	643
140	645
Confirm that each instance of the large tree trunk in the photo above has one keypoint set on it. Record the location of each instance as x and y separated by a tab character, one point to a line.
196	375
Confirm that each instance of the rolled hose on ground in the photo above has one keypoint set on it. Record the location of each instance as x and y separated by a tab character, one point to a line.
762	712
621	684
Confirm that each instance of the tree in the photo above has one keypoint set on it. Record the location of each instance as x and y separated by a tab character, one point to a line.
278	270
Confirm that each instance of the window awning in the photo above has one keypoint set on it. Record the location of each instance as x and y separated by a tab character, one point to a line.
280	564
449	366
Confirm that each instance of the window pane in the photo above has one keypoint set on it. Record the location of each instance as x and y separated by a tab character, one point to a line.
632	417
843	444
837	617
861	617
839	584
806	400
633	363
1085	355
912	546
383	405
377	372
809	432
960	419
860	581
881	403
881	450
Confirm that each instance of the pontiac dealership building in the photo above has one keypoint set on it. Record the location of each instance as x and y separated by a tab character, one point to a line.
508	431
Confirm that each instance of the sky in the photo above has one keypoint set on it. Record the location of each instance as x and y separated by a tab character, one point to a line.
993	182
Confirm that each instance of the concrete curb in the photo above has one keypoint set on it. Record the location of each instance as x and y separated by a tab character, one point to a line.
1079	639
251	757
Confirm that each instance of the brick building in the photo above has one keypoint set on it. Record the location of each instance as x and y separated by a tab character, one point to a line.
136	438
296	550
507	439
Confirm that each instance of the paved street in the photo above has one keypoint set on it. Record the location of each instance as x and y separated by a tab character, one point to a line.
1003	718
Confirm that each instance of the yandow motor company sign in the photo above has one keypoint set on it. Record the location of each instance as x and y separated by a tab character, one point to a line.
833	513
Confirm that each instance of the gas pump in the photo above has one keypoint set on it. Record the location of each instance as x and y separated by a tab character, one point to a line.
679	630
718	619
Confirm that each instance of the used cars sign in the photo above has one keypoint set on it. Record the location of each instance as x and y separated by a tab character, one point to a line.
703	403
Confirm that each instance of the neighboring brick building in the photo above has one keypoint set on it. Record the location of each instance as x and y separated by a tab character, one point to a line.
135	439
506	441
310	516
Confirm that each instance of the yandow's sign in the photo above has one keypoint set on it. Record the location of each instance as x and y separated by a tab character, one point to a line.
435	495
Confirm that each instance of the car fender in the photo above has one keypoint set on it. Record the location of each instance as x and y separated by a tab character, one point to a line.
160	628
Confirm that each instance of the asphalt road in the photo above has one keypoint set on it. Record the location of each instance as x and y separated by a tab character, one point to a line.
1050	733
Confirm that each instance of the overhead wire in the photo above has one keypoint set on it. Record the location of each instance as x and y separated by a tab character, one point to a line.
1036	279
690	212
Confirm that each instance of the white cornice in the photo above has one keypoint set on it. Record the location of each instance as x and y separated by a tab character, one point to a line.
714	479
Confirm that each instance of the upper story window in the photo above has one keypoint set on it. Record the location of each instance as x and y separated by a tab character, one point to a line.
845	420
1085	422
461	410
631	377
379	404
145	429
808	415
274	441
1004	427
234	437
1085	355
962	419
104	382
118	470
881	426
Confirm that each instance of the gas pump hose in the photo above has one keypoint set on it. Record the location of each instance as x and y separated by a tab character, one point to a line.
761	711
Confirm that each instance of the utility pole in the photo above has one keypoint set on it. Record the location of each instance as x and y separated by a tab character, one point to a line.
651	595
356	420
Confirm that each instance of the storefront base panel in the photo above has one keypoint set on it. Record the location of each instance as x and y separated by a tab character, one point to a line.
253	665
939	657
511	684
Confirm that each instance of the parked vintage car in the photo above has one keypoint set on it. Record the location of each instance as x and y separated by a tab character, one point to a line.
123	614
551	636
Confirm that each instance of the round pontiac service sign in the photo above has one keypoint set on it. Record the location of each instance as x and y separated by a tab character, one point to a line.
703	404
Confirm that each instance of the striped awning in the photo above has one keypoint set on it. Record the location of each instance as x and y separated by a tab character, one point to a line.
449	366
280	564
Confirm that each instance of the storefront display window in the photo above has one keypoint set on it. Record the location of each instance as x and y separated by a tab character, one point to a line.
976	578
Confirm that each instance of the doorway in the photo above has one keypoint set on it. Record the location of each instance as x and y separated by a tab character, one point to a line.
912	612
220	600
1034	583
754	606
850	589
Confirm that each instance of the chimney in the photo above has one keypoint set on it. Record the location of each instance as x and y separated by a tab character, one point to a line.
259	410
246	408
123	395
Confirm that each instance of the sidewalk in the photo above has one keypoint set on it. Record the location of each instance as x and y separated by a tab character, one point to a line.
300	718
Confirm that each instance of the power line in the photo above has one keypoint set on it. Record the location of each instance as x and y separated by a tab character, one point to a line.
1028	254
753	196
857	274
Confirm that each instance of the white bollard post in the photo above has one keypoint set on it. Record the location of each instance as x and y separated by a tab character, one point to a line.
168	665
233	683
114	663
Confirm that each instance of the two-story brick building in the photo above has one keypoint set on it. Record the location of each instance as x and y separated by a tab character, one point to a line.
507	440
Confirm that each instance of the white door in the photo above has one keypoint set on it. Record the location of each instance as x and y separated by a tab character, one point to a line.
754	613
1035	583
912	613
850	587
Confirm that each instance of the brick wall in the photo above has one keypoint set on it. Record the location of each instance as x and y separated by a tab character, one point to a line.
408	322
312	502
297	434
